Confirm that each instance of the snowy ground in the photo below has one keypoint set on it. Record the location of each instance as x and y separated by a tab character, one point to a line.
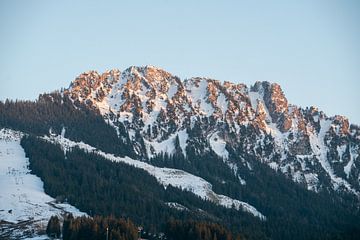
167	176
24	207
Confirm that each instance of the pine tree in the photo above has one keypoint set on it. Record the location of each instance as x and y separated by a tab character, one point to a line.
66	226
53	227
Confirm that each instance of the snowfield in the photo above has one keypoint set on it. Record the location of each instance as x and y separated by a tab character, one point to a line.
24	206
166	176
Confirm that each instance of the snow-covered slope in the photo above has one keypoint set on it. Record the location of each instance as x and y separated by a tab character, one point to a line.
166	176
24	207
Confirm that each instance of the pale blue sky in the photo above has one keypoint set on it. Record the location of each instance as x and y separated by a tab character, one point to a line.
311	48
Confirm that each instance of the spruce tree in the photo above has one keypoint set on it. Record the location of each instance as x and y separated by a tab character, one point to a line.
53	227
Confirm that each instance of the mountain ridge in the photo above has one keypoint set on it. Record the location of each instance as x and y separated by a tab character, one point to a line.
117	72
160	105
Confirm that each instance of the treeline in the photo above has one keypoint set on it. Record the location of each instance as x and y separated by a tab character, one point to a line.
83	228
192	230
55	111
96	228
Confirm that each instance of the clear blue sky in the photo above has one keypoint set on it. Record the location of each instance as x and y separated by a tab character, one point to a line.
311	48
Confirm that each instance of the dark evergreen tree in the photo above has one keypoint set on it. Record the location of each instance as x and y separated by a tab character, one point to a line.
53	228
195	230
83	228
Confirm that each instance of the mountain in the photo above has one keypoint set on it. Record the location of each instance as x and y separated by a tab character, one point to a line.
146	145
317	151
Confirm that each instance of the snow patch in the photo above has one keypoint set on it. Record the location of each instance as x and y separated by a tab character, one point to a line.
218	145
254	96
103	106
198	93
341	150
312	181
63	132
353	156
168	145
274	165
222	103
176	206
172	91
183	137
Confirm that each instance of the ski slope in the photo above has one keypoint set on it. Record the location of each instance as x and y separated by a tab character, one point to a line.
24	206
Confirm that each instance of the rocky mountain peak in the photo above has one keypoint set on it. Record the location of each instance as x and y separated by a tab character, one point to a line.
91	86
275	102
149	74
159	109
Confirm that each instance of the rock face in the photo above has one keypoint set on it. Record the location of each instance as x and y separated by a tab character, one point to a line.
163	114
91	85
